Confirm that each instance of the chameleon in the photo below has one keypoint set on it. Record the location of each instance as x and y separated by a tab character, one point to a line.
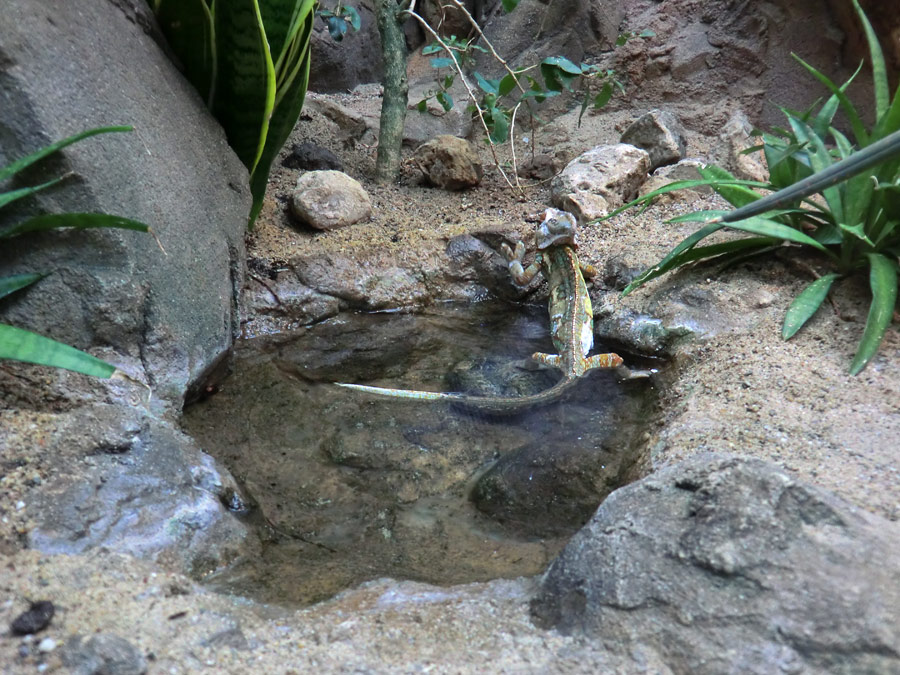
571	320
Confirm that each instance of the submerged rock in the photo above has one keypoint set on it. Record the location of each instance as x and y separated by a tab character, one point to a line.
723	564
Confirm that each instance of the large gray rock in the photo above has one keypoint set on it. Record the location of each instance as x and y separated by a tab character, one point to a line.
340	66
174	312
729	565
599	180
133	485
661	134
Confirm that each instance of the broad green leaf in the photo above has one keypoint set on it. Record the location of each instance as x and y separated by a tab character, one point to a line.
563	64
883	282
18	281
507	84
422	105
12	195
19	164
736	195
433	48
188	27
445	100
602	98
289	104
672	187
336	28
500	130
488	86
245	80
23	345
80	221
820	160
510	5
806	304
858	232
353	17
441	62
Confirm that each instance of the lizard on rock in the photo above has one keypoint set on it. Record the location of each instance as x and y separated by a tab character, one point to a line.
571	320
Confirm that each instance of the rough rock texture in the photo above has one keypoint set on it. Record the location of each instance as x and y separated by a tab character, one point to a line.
327	200
340	66
103	653
449	162
423	126
659	133
124	481
601	179
173	310
686	169
311	157
722	564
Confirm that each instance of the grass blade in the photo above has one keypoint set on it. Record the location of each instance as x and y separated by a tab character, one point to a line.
671	260
19	164
78	221
883	282
859	129
23	345
771	228
12	195
17	281
806	304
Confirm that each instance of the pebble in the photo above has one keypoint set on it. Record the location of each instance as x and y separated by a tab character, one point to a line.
47	645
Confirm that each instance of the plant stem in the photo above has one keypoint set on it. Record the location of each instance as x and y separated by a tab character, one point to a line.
396	90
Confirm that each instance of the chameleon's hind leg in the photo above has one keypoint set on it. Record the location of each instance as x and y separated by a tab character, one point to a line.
609	360
552	360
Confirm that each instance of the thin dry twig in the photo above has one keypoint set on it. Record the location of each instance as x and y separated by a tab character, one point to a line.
469	90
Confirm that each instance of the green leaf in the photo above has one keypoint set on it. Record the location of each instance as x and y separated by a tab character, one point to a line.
336	28
445	100
16	282
883	282
879	73
188	27
602	98
563	64
19	164
422	105
441	62
510	5
859	130
433	48
487	86
353	16
671	259
12	195
722	183
857	231
771	228
287	106
23	345
245	81
806	304
500	126
80	221
507	84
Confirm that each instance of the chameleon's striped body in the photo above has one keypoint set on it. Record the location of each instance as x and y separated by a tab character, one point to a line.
571	321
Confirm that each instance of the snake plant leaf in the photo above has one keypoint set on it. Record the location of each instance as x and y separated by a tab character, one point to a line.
16	282
883	282
23	345
12	195
188	27
290	98
771	228
80	221
245	79
806	304
19	164
859	129
879	73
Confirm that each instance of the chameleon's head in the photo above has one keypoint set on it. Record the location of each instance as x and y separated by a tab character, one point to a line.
557	227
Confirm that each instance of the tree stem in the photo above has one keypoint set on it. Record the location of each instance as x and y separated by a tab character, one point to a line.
396	90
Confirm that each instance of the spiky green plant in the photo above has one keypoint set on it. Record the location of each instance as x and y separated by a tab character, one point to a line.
857	223
249	59
23	345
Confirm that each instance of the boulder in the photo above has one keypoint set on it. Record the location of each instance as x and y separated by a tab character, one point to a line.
600	179
169	308
659	133
449	162
723	564
340	66
327	200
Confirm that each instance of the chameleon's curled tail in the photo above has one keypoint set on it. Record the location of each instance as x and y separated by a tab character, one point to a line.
498	405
